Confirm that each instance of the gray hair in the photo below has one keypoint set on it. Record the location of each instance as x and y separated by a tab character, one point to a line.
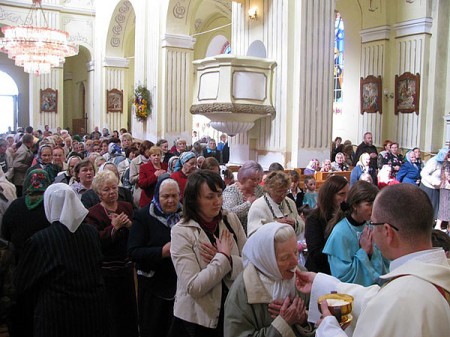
169	181
248	169
284	233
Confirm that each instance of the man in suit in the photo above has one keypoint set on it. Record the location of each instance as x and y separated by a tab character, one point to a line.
22	162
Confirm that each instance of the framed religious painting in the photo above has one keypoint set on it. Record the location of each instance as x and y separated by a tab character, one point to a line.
49	100
114	100
370	94
407	90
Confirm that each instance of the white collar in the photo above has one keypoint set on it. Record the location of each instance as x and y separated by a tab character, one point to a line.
428	256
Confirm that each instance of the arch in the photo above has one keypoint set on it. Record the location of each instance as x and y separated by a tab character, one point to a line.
257	49
123	20
216	45
9	92
75	76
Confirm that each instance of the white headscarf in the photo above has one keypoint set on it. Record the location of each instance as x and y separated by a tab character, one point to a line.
62	204
260	251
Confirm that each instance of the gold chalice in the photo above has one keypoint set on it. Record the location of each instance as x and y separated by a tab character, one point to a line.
340	306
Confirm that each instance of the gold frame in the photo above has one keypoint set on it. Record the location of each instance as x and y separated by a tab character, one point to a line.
371	94
407	93
114	100
48	100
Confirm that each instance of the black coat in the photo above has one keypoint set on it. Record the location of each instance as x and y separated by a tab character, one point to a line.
147	237
62	271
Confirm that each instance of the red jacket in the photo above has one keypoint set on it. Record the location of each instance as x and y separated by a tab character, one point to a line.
147	182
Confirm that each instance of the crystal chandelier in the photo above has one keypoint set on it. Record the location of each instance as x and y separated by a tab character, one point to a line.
36	49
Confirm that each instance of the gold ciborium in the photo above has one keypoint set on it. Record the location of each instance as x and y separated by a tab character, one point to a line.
340	306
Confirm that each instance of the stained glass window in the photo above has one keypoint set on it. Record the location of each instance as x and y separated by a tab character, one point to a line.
226	49
338	63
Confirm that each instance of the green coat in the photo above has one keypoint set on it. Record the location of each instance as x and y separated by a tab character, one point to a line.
246	310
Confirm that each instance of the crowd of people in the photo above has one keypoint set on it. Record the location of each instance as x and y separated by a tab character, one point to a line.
103	235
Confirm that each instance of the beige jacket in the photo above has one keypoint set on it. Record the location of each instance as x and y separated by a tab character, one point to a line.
199	284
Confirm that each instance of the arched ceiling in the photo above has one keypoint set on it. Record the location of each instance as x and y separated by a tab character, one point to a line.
190	16
123	21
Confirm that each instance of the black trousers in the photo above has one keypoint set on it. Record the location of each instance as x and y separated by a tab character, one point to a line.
155	313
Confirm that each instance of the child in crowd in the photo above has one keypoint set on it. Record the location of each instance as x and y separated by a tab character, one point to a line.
310	197
295	192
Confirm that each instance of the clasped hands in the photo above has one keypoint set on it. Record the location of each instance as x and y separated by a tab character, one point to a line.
293	312
222	245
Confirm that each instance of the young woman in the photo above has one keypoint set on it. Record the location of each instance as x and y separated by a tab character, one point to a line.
350	248
321	221
206	252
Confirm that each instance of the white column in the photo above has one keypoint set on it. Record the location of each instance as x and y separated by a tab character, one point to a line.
177	83
115	68
91	104
312	103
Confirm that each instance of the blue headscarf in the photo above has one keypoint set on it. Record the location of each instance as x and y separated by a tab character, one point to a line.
168	219
184	158
441	154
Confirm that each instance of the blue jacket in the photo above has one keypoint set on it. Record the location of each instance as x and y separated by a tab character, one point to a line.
409	173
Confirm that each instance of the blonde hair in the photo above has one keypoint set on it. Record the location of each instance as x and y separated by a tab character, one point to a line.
103	178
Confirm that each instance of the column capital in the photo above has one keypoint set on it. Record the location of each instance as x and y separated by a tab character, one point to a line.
178	41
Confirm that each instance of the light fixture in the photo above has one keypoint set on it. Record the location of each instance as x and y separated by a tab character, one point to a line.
253	13
387	95
36	49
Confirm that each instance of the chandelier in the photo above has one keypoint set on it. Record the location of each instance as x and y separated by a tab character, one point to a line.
36	49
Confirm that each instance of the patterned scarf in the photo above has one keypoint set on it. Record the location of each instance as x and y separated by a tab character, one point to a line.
35	185
155	210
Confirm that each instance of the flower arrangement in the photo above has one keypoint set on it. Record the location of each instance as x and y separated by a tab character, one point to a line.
142	102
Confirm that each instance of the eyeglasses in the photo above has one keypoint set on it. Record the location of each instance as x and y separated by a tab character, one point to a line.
371	224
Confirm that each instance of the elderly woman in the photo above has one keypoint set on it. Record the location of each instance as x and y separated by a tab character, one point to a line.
352	254
312	167
164	145
84	174
321	220
185	166
60	269
339	164
206	252
270	260
326	166
90	198
274	205
112	218
211	164
363	167
172	164
149	247
24	217
44	162
135	165
238	198
431	178
410	171
149	173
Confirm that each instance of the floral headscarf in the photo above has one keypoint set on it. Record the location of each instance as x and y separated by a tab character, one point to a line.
35	185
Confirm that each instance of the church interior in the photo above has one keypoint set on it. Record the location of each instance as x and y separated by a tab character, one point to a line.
283	78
